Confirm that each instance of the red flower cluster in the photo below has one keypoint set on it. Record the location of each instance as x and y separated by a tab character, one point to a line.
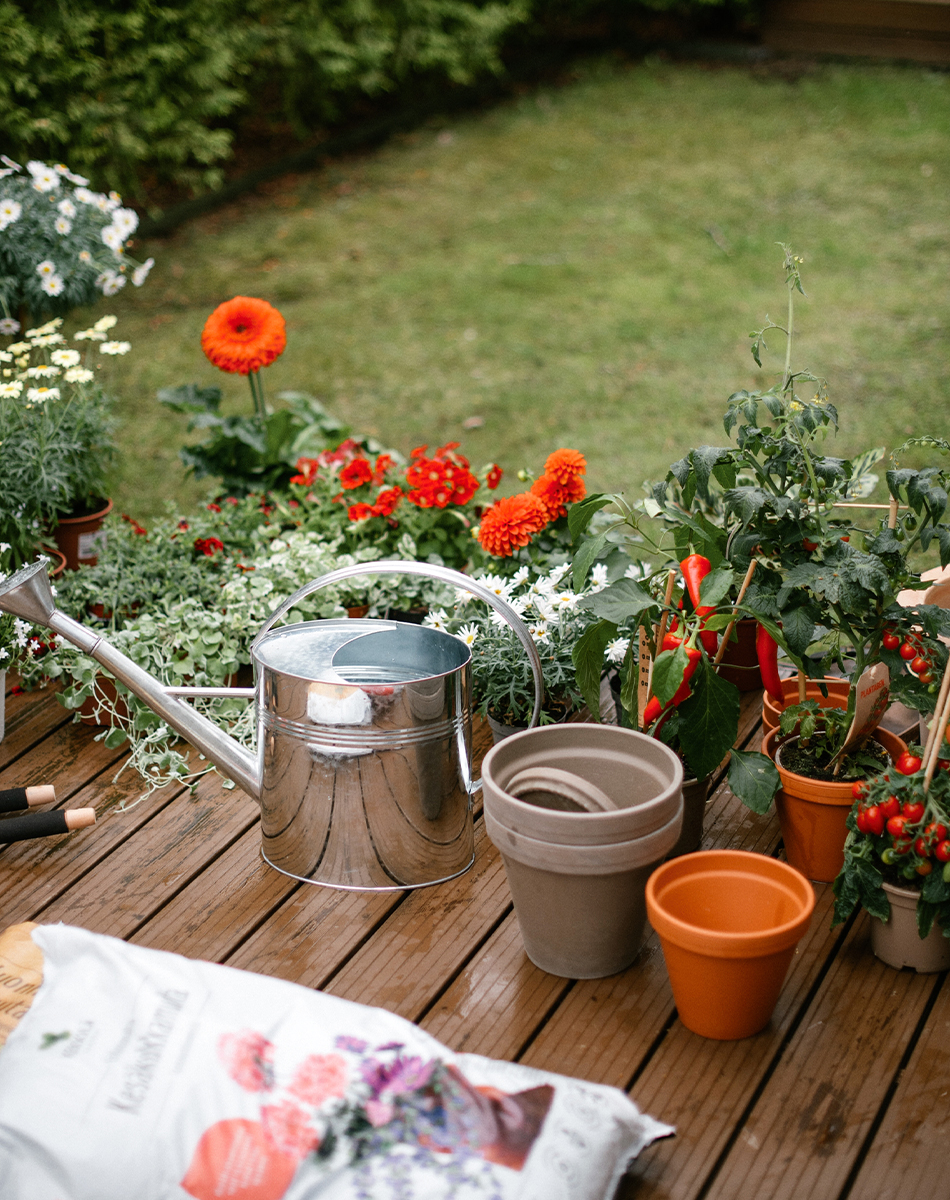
441	480
309	468
512	521
209	547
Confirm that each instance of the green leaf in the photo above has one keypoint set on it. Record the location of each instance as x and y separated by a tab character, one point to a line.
622	600
586	556
588	658
579	515
715	587
114	738
754	779
704	458
668	670
629	686
191	398
799	628
710	721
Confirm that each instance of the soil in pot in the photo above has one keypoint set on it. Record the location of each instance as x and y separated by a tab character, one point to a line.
728	922
897	942
812	812
79	535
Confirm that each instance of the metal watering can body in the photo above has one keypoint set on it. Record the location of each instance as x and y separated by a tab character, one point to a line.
364	730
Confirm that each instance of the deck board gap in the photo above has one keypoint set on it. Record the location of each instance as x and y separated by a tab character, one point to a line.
462	965
266	915
888	1096
569	985
648	1054
322	984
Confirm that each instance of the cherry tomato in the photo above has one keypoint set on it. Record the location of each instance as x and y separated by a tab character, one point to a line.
895	826
943	764
874	819
887	856
861	820
935	832
809	546
919	664
908	650
924	868
942	851
858	789
922	847
890	807
890	641
926	676
907	763
902	845
913	810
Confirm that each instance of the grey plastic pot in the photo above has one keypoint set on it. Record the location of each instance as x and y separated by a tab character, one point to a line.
897	942
695	793
577	878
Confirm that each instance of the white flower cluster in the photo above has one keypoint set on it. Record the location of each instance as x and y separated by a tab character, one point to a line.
58	364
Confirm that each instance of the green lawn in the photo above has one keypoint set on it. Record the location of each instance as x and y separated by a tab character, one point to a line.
581	267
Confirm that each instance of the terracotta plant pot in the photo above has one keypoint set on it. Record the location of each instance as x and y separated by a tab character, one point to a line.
577	877
740	663
695	793
897	942
80	538
87	710
812	813
728	922
837	698
57	561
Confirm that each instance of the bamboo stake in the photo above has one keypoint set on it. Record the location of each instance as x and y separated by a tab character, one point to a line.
935	736
855	504
802	690
664	620
892	513
729	628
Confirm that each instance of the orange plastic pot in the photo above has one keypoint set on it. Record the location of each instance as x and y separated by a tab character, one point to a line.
728	922
837	698
812	813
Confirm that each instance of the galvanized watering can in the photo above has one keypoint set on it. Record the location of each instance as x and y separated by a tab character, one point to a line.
364	732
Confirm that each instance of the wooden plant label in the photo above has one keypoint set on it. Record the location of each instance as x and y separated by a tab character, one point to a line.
643	689
870	705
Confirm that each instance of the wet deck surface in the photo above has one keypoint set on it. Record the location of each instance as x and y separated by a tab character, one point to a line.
846	1093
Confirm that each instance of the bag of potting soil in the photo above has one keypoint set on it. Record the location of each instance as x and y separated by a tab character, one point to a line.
130	1072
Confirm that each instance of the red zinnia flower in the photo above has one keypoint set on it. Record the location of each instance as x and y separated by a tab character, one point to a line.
356	472
493	478
565	465
214	507
359	512
243	335
511	522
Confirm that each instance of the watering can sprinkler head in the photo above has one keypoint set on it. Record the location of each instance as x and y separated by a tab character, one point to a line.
28	594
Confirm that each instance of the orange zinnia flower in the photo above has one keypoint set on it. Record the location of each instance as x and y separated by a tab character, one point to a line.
243	335
511	522
552	496
565	465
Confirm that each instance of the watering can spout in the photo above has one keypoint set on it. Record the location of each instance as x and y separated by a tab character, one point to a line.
27	594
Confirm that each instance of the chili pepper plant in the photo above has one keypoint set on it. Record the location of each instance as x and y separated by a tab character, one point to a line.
899	833
824	589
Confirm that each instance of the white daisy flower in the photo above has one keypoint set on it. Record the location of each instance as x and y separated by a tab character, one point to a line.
44	269
565	599
437	619
468	634
42	372
104	324
598	577
85	256
557	573
66	358
37	395
84	196
53	285
45	179
11	389
9	326
125	220
112	236
47	339
89	335
616	650
80	179
496	584
62	226
544	608
79	375
19	347
140	274
9	212
67	208
115	347
21	629
540	631
638	571
520	576
112	283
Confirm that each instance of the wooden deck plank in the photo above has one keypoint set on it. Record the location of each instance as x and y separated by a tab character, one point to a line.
907	1158
833	1077
30	716
69	757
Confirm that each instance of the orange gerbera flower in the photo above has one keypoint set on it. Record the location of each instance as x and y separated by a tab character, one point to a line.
565	465
511	522
243	335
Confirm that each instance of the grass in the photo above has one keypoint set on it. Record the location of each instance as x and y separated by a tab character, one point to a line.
581	267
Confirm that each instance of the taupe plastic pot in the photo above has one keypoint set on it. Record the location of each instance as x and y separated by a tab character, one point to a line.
897	942
695	794
577	877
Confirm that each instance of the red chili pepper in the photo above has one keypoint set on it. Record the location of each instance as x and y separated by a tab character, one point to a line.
695	568
766	649
654	708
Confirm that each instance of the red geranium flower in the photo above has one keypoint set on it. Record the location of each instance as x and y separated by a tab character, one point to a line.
387	501
356	472
360	512
493	478
209	547
139	529
510	523
383	464
214	507
308	468
243	335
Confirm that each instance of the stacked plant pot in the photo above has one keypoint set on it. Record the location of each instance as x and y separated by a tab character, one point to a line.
582	813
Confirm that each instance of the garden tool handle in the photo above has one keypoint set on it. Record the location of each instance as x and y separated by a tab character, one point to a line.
427	571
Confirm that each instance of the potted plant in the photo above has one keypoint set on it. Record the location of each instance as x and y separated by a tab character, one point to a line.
897	858
56	440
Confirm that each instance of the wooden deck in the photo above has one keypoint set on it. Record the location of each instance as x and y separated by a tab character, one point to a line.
845	1094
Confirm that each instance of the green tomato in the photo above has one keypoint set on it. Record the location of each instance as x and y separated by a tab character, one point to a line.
888	856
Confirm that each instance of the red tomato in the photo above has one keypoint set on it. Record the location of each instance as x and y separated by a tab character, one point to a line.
902	845
890	641
874	819
936	833
861	820
926	676
907	763
908	650
919	664
809	546
923	868
922	846
943	764
890	807
895	827
942	851
858	789
913	810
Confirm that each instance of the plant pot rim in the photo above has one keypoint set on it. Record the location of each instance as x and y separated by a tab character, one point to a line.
825	791
70	517
723	865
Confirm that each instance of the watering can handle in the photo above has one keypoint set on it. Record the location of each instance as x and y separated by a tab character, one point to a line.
428	571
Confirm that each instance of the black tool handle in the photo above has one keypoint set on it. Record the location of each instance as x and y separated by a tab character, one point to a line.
13	800
18	829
